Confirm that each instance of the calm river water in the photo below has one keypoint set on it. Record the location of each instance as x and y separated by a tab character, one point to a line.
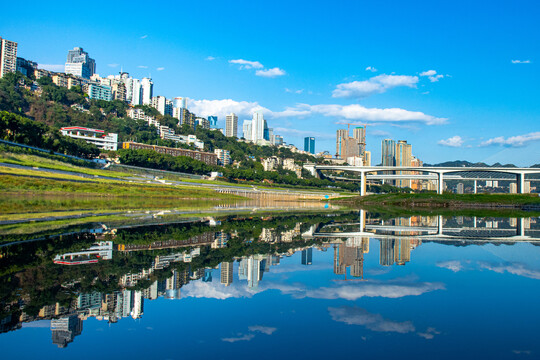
308	285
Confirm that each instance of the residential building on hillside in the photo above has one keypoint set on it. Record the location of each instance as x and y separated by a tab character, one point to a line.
79	63
202	122
208	158
213	120
8	57
93	136
224	156
231	125
99	92
163	105
26	67
147	90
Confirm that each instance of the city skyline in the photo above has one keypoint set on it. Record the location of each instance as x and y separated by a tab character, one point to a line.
442	95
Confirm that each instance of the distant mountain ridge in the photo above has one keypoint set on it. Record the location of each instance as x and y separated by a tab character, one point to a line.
464	163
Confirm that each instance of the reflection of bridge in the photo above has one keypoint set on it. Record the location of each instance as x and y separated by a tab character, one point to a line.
518	233
438	173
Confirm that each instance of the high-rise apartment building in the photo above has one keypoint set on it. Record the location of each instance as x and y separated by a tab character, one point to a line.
79	63
350	147
180	102
147	90
258	127
359	134
8	56
246	129
403	158
231	125
309	145
212	120
388	156
26	67
163	105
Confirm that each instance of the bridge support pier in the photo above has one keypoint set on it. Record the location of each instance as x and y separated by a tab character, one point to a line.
520	180
440	183
363	181
475	186
362	220
439	225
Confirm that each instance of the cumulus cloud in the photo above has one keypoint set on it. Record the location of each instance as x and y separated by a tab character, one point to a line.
454	141
352	112
246	337
213	291
374	322
210	58
521	61
160	69
52	67
371	68
515	141
432	75
359	112
453	265
262	329
223	107
375	85
274	72
246	64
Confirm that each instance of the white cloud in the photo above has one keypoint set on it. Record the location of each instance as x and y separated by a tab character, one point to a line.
219	291
454	141
296	132
515	141
371	68
144	36
246	337
270	72
521	61
246	64
142	67
375	85
359	112
294	91
52	67
374	322
453	265
352	112
210	58
262	329
223	107
380	133
432	75
160	69
113	65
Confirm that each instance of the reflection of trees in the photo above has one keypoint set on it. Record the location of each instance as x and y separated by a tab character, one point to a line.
30	281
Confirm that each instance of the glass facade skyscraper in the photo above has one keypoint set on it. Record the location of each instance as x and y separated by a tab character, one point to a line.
309	144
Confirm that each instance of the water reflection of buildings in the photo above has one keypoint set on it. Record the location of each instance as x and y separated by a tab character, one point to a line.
396	251
350	254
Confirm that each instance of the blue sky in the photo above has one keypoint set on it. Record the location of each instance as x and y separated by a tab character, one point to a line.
458	80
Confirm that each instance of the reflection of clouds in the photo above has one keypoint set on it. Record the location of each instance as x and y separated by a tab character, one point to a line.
199	289
249	336
262	329
429	333
454	265
379	271
37	324
512	268
388	289
353	315
373	289
295	268
519	352
375	322
245	337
